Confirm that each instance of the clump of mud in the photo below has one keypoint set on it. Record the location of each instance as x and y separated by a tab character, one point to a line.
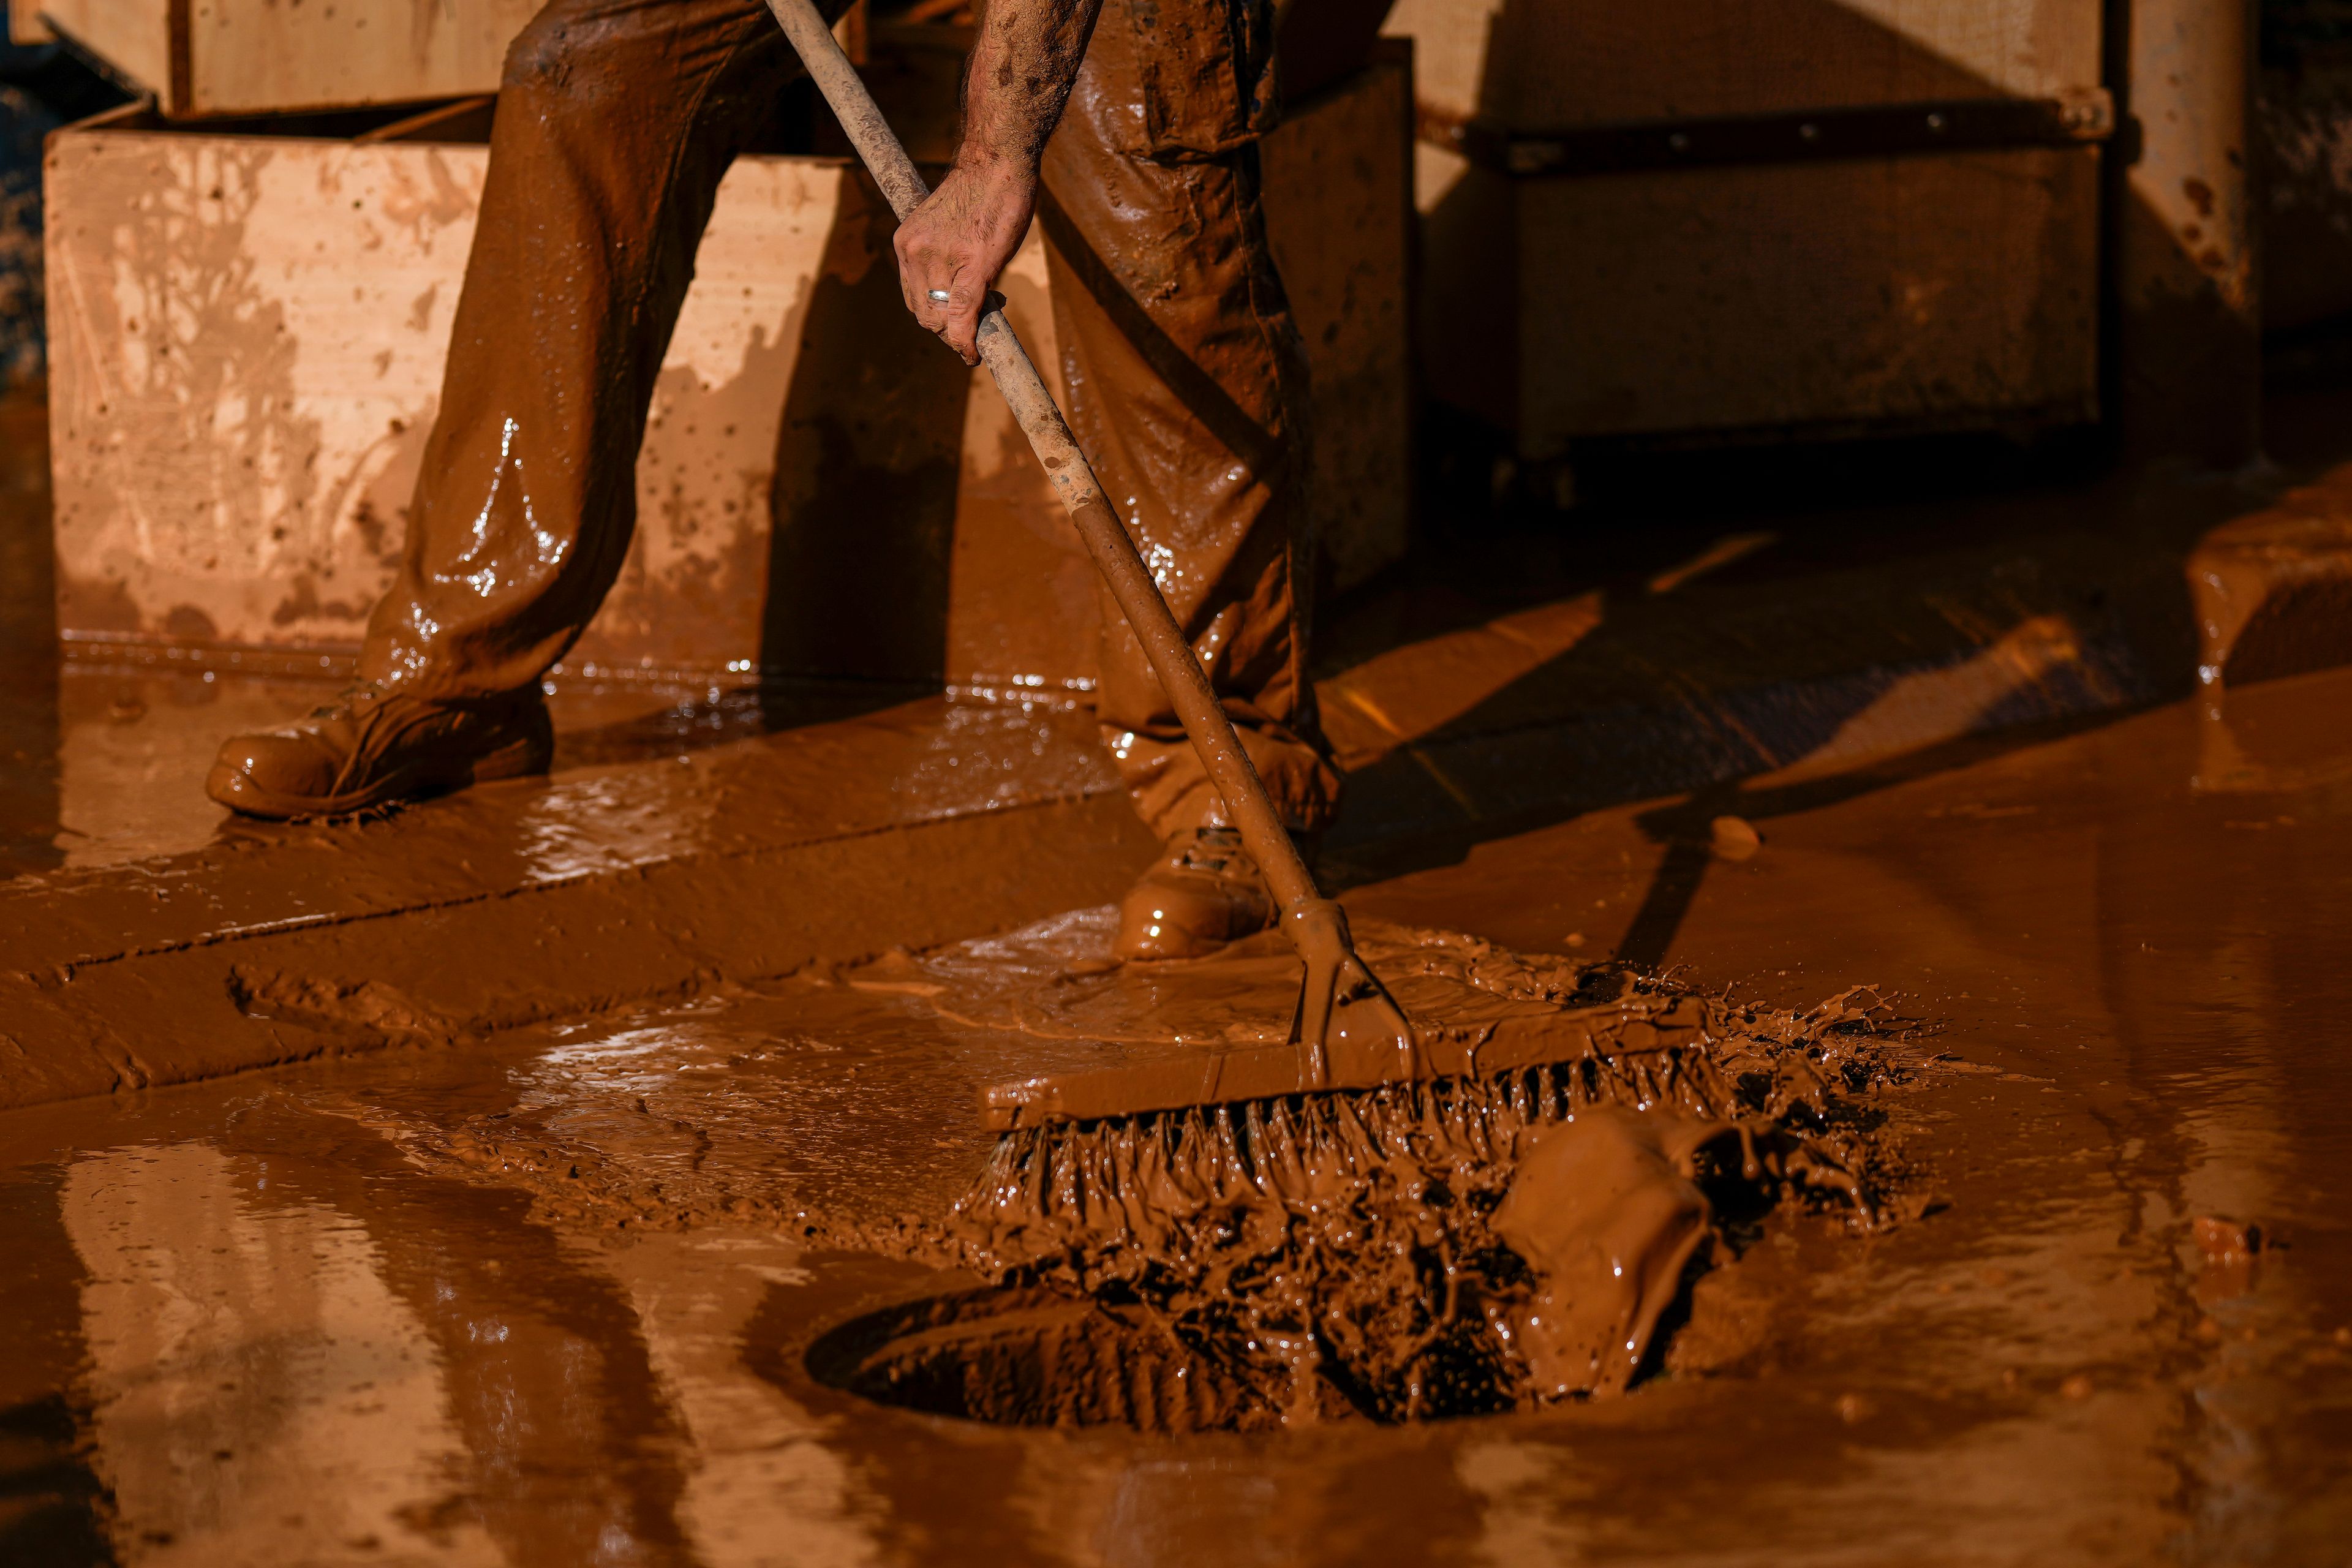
1467	1246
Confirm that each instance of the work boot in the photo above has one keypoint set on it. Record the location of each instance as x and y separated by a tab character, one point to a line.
370	746
1202	892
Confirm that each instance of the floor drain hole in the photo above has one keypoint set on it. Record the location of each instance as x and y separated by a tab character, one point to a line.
1034	1357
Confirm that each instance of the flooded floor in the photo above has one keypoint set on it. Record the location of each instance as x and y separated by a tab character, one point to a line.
550	1301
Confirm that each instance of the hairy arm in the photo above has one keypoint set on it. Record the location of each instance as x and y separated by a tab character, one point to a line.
1015	84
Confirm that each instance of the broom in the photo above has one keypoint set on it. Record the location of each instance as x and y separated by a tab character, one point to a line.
1360	1089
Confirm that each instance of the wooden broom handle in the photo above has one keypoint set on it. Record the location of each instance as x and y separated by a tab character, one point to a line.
1131	583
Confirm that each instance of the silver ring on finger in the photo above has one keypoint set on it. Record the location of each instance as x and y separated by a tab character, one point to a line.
940	296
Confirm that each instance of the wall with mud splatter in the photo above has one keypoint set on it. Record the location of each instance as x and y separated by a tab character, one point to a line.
248	334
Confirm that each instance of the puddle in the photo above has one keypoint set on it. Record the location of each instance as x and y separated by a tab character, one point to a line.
577	1296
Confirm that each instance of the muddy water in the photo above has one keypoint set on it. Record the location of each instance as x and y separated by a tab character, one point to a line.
1506	1235
550	1303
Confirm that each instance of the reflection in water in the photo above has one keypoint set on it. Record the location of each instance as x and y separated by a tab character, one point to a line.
261	1396
1531	1502
274	1383
2224	970
299	1339
1171	1512
762	1487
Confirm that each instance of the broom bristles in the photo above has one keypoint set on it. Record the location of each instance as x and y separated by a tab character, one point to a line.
1100	1187
1149	1178
1340	1240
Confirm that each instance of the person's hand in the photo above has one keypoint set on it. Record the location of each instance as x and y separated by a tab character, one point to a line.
956	244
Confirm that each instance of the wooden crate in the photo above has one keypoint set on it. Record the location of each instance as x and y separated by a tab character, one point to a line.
1919	290
260	57
247	336
1587	62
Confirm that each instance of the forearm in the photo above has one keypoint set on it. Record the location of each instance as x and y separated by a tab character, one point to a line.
951	248
1019	76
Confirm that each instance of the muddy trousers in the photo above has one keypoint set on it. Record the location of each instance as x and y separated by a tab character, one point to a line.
616	119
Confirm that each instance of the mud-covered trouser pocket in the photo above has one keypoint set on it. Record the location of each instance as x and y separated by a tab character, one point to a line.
1207	74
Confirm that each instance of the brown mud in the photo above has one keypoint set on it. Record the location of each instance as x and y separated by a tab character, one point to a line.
595	1292
1485	1242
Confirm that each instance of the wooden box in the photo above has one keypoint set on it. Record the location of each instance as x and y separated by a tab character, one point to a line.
248	335
1758	216
262	57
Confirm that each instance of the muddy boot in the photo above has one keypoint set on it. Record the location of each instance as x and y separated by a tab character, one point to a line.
1201	893
370	746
